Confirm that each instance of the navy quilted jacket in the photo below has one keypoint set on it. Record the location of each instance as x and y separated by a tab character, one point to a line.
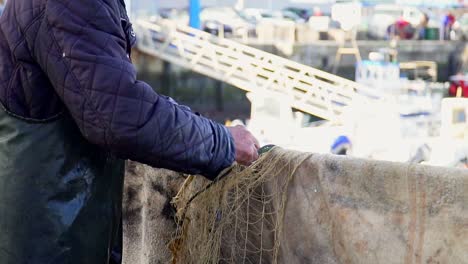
72	55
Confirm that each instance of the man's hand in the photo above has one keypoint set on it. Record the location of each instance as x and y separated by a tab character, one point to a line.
246	145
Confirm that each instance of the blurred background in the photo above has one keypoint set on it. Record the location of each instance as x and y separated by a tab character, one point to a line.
375	79
305	31
383	79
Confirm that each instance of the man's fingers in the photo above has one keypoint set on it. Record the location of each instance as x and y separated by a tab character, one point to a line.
249	156
246	145
256	144
255	154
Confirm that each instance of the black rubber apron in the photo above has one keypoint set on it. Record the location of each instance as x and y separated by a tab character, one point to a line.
60	197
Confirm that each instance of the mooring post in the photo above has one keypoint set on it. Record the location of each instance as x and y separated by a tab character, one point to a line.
166	78
219	96
194	11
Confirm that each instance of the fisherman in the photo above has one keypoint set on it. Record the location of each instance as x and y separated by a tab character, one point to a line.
421	29
71	110
401	29
448	22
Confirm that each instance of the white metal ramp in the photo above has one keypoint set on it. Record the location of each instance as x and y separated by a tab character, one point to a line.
310	90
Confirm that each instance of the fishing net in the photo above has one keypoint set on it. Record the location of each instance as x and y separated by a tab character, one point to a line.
236	219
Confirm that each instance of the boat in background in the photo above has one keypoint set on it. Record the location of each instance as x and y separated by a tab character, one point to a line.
384	130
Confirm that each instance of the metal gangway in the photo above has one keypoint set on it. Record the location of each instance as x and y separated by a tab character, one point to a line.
309	90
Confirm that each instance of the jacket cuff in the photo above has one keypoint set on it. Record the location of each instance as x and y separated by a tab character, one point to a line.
224	151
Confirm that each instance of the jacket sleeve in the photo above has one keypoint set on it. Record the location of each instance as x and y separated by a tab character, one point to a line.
85	58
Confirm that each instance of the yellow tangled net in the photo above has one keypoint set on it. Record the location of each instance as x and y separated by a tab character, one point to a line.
238	218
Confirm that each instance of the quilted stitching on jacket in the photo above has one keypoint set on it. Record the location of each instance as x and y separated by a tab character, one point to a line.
72	55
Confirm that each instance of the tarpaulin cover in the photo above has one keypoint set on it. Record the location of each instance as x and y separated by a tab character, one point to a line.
313	209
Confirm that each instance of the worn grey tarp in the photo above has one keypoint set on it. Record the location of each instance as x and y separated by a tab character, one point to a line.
338	210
